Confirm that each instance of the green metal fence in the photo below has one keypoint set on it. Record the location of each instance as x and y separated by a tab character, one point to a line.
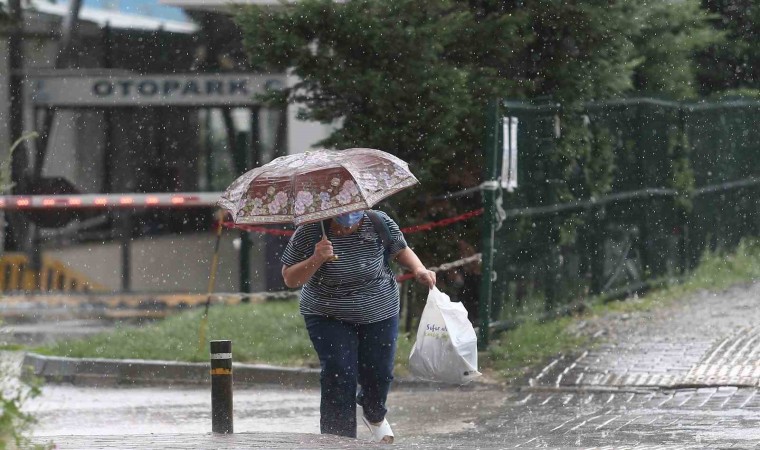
613	197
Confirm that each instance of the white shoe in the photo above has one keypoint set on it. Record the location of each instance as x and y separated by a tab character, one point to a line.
380	433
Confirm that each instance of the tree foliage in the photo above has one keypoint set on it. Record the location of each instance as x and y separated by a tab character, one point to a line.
670	37
734	63
412	77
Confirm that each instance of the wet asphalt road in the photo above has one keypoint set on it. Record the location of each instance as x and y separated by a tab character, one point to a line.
684	376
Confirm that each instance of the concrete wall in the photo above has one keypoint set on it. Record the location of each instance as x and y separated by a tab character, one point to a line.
167	263
98	262
62	152
304	135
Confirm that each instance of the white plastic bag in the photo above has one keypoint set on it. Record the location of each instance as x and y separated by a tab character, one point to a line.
447	347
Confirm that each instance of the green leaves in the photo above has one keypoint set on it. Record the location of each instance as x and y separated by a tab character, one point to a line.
15	424
734	62
669	38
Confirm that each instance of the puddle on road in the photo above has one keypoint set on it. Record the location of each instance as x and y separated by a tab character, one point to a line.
73	410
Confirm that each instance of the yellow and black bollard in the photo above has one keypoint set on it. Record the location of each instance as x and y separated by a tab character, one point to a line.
221	387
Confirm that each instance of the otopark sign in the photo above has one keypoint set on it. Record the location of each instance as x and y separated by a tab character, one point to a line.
151	90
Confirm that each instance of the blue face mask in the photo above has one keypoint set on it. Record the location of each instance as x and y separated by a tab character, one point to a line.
349	219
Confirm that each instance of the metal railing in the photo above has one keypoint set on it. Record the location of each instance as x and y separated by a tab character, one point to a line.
682	179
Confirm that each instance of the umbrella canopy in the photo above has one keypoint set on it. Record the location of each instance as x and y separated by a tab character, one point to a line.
315	185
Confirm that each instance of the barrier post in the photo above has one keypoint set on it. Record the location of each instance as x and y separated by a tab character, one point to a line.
221	387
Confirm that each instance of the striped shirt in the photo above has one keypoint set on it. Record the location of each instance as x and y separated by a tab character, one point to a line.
359	287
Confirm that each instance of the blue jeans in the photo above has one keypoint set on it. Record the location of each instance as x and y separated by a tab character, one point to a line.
352	353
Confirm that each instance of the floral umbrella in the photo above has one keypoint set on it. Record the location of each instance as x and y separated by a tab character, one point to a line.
315	185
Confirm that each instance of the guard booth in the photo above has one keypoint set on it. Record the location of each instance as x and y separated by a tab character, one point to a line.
115	132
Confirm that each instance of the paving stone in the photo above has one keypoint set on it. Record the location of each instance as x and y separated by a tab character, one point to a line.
648	420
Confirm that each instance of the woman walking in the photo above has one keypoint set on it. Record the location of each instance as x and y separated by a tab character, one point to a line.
350	303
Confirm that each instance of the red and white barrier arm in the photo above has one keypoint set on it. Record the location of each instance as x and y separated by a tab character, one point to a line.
110	201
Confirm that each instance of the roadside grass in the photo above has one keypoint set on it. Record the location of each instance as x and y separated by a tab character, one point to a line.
513	354
274	333
268	333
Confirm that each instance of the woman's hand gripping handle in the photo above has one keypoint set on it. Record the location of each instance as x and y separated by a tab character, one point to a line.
324	251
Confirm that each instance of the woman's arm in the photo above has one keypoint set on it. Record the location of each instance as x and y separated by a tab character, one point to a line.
298	274
409	259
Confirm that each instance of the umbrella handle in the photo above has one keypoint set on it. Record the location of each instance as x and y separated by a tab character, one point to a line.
324	235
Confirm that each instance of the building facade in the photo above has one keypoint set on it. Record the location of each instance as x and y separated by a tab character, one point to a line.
142	106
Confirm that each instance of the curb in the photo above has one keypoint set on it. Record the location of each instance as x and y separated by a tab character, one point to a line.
110	372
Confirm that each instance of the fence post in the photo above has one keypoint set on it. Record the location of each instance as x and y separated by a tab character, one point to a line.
411	299
245	262
596	254
490	185
221	387
551	266
124	219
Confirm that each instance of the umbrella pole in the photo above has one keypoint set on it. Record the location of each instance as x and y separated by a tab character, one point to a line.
211	282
